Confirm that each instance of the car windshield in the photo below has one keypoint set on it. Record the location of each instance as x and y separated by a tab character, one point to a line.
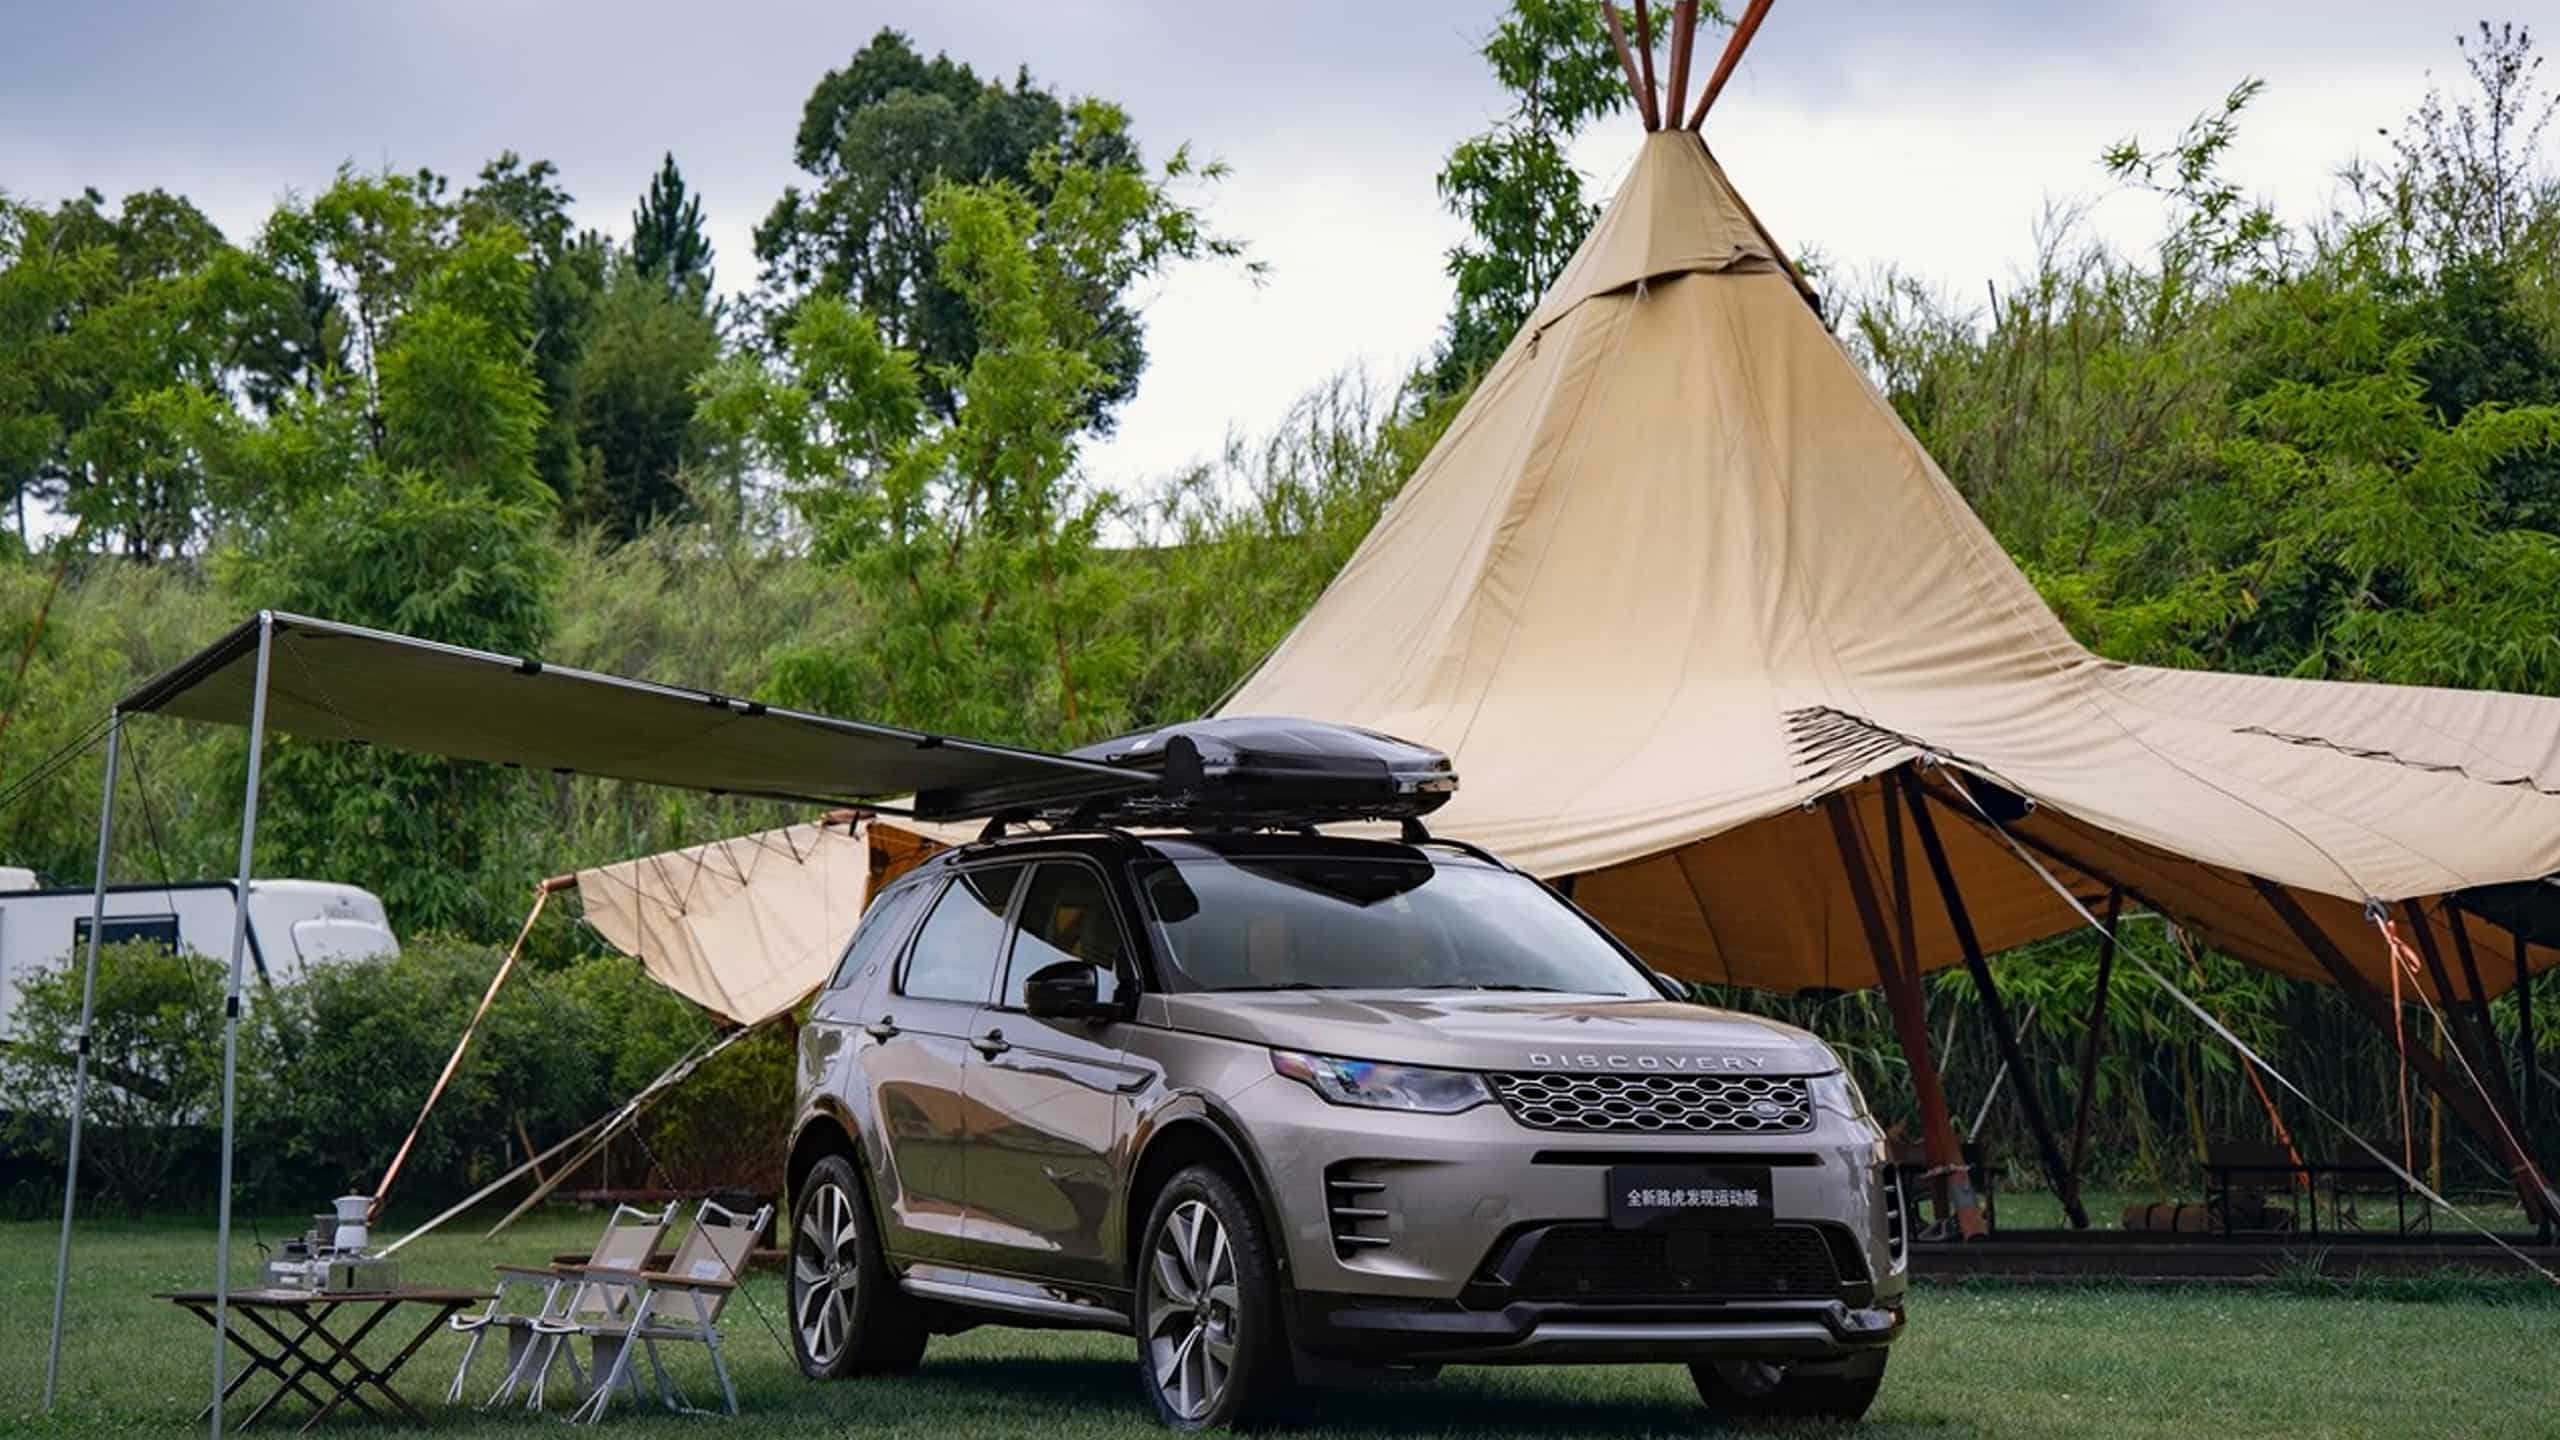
1369	923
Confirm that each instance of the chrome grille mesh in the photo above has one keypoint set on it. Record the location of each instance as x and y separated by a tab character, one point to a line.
1657	1104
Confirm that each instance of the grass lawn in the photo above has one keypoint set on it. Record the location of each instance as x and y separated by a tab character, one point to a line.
1990	1362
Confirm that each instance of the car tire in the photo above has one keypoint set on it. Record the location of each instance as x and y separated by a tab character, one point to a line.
848	1316
1781	1391
1212	1351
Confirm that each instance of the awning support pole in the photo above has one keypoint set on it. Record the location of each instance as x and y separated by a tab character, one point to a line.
2096	1043
2012	1054
231	1018
80	1054
1910	1022
2466	1102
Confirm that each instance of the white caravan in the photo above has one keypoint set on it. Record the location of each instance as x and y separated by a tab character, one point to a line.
293	925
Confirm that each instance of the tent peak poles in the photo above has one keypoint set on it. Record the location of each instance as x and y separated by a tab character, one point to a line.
80	1062
1733	48
231	1017
1639	88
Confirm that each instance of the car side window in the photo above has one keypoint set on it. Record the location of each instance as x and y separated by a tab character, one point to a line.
956	953
878	932
1066	916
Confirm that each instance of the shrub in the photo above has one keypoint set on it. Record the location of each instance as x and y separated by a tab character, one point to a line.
155	1068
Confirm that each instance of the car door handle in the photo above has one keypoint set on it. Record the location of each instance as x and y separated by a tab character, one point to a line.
992	1044
881	1029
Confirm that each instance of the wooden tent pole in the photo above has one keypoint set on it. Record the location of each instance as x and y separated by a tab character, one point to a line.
1684	35
2478	1048
1653	116
2528	1059
1734	45
1898	869
1910	1022
2359	991
1638	85
2485	1025
2012	1053
2482	1118
2097	1040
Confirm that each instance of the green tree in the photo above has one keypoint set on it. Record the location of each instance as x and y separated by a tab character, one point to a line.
631	400
119	329
877	138
970	529
414	503
1514	184
568	276
667	241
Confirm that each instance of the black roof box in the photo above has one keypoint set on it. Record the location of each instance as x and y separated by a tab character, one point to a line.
1256	770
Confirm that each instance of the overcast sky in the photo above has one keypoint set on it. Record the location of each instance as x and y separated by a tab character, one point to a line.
1929	137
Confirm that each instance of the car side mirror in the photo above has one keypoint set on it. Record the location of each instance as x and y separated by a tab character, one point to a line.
1673	985
1067	990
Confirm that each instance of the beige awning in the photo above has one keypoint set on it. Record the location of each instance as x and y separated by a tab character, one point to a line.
1678	570
749	926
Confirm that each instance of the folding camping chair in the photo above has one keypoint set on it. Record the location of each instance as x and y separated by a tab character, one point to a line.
681	1303
630	1237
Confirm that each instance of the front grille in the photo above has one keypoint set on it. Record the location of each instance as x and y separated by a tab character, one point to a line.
1658	1104
1595	1262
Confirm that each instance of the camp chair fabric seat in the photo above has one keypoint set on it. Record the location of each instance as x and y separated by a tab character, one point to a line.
630	1236
681	1303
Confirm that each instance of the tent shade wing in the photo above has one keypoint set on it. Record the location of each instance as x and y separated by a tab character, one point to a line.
332	681
749	926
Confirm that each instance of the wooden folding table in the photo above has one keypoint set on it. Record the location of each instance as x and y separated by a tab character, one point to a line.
294	1338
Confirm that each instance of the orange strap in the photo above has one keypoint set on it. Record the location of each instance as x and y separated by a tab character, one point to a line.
2403	956
382	1192
2402	960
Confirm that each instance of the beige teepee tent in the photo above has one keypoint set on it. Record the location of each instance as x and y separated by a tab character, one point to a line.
1706	630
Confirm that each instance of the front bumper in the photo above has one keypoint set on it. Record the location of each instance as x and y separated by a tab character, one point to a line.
1444	1201
1566	1332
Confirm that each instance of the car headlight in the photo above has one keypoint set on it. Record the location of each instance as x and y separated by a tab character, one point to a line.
1839	1094
1383	1087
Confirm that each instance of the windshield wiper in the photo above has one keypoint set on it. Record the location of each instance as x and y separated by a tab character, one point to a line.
1501	985
1279	985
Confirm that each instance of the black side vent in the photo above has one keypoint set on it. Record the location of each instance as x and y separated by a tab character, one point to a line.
1357	1209
1897	1213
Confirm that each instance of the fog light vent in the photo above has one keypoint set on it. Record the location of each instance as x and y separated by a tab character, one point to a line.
1357	1210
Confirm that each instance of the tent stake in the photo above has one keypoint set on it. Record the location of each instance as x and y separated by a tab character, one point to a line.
231	1019
1910	1022
2012	1054
2483	1119
80	1061
2097	1041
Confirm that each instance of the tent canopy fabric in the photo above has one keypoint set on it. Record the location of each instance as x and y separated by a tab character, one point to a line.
343	682
749	926
1678	570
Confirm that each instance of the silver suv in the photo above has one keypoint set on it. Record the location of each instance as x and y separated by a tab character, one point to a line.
1292	1110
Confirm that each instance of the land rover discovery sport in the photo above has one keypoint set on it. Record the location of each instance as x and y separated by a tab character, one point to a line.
1293	1109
